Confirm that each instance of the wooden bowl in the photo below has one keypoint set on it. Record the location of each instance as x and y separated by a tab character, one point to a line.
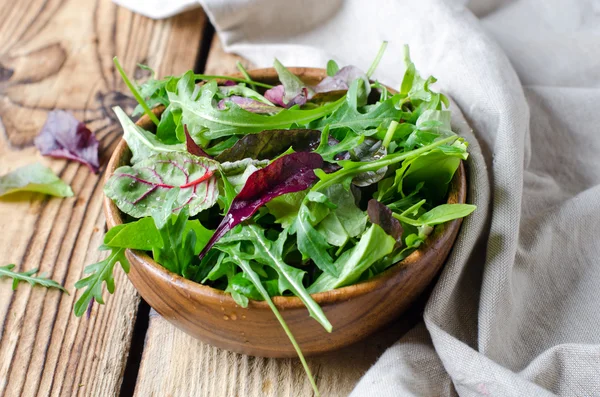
212	316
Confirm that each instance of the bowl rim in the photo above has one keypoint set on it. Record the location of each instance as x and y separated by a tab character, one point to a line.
457	194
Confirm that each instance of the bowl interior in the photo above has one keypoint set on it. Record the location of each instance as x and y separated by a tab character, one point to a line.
442	235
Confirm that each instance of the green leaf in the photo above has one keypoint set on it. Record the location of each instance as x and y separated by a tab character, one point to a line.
446	212
34	178
332	68
142	190
348	115
291	83
242	261
285	207
28	276
143	144
343	222
179	244
208	122
269	253
135	92
374	244
311	243
328	152
99	273
139	235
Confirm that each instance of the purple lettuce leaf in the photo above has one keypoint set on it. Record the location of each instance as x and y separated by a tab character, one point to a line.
191	146
249	104
381	215
63	136
341	80
277	95
288	174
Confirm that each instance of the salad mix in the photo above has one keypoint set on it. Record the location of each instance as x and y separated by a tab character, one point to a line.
292	189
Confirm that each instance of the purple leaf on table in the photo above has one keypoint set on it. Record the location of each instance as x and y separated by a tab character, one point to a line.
63	136
288	174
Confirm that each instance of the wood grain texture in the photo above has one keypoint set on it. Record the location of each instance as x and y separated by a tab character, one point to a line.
176	365
58	55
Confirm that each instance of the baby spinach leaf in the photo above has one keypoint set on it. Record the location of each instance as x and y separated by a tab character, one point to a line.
374	244
34	178
139	235
142	190
271	143
142	143
446	212
345	220
203	119
29	276
63	136
287	174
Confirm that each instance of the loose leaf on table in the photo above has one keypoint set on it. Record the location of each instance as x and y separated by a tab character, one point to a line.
34	178
242	261
287	174
374	244
271	143
142	190
99	273
270	254
206	121
142	143
380	214
64	136
28	276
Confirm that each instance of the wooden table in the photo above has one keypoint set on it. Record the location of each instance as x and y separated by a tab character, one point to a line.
58	55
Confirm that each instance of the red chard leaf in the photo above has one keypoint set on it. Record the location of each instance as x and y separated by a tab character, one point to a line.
144	189
248	104
191	146
63	136
381	215
288	174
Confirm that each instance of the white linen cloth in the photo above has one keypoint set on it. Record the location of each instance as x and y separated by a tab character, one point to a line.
516	311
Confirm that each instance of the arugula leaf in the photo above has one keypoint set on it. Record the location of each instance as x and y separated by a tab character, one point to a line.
206	121
269	253
99	273
142	143
311	243
242	261
330	152
34	178
348	114
142	189
28	276
374	244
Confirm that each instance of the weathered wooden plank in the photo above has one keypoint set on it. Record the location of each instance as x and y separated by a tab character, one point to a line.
175	364
58	54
